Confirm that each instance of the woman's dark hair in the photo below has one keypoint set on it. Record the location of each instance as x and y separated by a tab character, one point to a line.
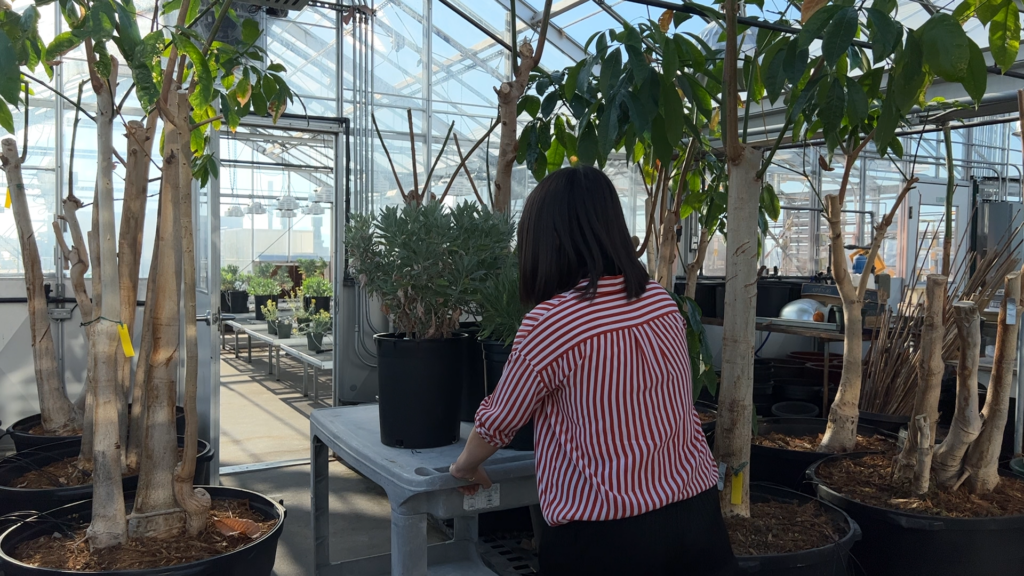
572	229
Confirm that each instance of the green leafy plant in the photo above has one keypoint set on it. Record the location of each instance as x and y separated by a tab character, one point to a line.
702	371
229	276
311	267
264	270
270	311
319	323
264	287
428	263
501	312
304	315
316	286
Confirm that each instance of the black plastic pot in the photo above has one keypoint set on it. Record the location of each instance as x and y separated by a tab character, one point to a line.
234	301
13	467
772	296
259	302
315	342
705	297
25	441
814	371
884	422
420	384
319	303
898	543
831	560
272	327
284	330
706	408
495	356
795	410
473	378
763	372
787	368
787	468
800	390
256	559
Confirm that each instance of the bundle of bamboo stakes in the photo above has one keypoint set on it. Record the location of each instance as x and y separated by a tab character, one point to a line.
890	366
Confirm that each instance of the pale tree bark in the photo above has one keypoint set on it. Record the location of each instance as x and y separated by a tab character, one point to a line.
195	502
948	462
108	509
58	413
929	376
666	270
923	434
983	455
156	513
693	268
736	401
841	432
509	94
137	419
947	239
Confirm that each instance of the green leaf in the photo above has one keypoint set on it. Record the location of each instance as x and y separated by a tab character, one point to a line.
587	149
885	130
833	106
569	88
529	104
856	102
908	77
976	79
277	67
608	129
770	202
549	104
104	66
773	71
886	6
885	34
6	118
259	101
526	140
965	10
816	24
795	62
1004	35
250	31
583	80
672	111
203	95
696	93
611	71
945	48
555	156
988	10
838	35
663	147
60	45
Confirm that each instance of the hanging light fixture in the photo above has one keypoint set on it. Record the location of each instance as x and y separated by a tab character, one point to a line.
256	208
234	212
314	209
324	194
288	203
286	213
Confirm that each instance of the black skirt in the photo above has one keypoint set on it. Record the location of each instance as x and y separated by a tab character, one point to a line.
682	539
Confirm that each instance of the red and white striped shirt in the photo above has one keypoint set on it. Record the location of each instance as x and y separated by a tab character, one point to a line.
607	383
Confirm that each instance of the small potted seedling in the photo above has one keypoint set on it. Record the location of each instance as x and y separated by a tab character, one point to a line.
269	312
304	316
284	327
319	324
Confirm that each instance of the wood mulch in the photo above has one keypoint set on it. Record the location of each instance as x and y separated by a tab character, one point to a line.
706	417
62	474
38	430
870	480
71	552
781	528
810	443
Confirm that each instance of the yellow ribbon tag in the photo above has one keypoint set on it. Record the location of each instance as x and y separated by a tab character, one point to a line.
7	201
126	341
737	489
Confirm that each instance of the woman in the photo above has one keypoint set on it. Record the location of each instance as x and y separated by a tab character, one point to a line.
627	483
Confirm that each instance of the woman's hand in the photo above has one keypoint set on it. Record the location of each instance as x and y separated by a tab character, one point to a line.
476	475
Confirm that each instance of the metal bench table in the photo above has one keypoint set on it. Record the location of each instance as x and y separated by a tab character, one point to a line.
418	484
258	330
318	361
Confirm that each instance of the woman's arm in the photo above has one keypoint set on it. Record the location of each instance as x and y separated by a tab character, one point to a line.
469	466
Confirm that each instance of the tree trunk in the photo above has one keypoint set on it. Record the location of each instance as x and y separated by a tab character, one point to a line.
693	268
983	455
947	237
133	215
156	512
108	510
736	400
195	502
667	250
922	433
948	462
58	413
509	94
929	373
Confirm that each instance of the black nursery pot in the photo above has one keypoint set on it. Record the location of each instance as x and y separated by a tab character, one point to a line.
420	385
884	422
319	303
234	301
495	356
259	302
706	408
473	383
788	468
786	368
255	559
25	441
19	499
831	560
899	543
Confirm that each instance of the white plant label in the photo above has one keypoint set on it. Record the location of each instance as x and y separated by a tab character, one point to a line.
1011	311
483	499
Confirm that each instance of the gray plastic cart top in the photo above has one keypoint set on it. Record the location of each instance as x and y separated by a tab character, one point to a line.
417	483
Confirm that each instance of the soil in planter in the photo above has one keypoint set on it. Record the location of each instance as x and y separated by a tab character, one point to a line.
64	473
811	443
38	430
71	551
706	417
869	480
781	528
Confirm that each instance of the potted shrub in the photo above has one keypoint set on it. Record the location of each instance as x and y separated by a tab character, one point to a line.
284	327
319	324
316	293
233	298
426	263
270	314
263	290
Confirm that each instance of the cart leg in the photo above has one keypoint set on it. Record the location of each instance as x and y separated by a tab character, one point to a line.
248	348
278	355
270	358
824	386
467	528
318	499
236	343
408	545
316	381
305	379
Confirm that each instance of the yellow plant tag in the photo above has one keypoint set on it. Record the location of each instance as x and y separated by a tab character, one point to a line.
7	201
737	489
126	341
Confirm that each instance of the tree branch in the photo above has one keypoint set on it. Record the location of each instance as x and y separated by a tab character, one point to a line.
462	162
394	171
469	155
880	230
851	159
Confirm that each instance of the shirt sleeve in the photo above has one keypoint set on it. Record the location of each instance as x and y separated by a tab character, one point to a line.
517	396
